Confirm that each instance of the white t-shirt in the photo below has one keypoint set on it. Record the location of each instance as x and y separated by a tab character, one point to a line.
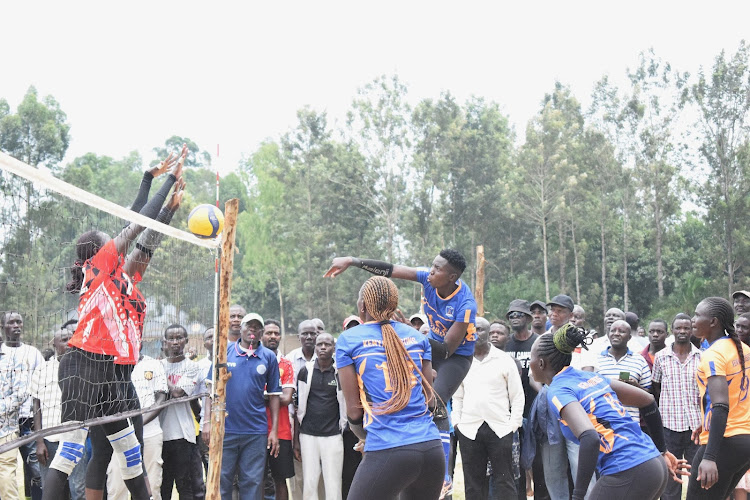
177	421
45	388
33	359
149	378
204	365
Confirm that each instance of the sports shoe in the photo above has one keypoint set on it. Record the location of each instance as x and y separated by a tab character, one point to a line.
447	488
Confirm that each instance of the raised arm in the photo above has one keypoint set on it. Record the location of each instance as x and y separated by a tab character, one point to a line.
152	207
139	258
377	267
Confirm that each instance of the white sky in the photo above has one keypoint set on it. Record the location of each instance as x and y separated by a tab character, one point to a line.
234	73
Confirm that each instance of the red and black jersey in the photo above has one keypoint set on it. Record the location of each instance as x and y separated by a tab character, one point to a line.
111	309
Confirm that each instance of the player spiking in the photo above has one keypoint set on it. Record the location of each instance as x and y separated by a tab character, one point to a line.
451	311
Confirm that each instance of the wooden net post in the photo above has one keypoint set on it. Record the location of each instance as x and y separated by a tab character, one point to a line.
220	374
479	290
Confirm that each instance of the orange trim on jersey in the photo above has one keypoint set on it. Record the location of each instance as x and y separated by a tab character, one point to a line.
449	297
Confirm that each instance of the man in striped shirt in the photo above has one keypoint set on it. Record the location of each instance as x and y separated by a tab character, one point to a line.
677	393
617	362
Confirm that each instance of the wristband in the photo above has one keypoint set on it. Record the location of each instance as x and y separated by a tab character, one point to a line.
359	421
377	267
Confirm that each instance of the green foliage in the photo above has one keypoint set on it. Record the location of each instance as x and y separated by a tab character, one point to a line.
612	206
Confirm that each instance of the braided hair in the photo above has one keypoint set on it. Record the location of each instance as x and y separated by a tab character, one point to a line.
380	297
557	348
86	247
721	309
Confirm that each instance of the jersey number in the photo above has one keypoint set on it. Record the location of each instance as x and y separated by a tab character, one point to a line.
386	375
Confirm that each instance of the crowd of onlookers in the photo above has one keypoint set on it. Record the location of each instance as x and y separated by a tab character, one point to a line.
286	432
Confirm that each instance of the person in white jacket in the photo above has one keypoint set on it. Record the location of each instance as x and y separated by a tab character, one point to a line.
487	410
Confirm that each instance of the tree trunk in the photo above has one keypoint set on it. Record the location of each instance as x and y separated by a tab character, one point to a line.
604	266
479	288
281	314
544	252
625	259
575	261
562	255
659	263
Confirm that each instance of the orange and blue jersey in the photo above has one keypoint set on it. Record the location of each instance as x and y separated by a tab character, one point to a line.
721	359
441	313
622	444
362	346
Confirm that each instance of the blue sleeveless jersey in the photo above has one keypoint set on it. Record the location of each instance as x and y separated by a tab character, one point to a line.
622	444
443	312
362	346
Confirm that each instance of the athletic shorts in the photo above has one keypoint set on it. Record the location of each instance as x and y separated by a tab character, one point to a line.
93	386
282	467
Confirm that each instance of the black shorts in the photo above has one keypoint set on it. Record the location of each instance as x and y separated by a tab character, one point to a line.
282	467
414	471
92	385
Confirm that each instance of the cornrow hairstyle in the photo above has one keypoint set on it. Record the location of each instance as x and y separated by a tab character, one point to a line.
455	259
557	348
721	309
380	297
86	247
679	316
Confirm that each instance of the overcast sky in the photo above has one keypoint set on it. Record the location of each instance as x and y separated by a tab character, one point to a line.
130	75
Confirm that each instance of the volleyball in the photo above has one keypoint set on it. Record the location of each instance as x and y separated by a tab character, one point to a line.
206	221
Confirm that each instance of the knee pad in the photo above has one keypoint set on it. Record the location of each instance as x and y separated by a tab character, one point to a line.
70	451
127	450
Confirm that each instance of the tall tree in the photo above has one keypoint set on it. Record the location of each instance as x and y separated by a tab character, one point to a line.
723	100
379	124
652	109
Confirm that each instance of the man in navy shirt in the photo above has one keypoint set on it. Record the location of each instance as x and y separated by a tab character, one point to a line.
255	372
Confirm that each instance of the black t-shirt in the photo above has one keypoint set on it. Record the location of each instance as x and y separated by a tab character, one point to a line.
322	415
521	350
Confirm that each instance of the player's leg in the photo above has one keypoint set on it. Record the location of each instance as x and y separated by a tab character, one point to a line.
450	373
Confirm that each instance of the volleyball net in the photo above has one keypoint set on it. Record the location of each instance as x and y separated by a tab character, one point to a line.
41	219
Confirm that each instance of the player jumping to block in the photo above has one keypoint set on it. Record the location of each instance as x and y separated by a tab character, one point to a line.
451	310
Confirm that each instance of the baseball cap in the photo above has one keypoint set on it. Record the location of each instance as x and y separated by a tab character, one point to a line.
351	318
540	304
518	305
252	316
741	292
562	301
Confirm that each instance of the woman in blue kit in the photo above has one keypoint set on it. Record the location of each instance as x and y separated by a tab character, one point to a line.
385	372
451	312
591	411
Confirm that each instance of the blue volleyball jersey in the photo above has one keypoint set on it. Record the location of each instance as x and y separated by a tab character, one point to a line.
443	312
622	444
362	346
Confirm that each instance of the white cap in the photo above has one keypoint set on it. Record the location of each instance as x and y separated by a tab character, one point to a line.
252	316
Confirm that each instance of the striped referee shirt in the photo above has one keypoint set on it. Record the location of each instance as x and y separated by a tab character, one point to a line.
634	364
680	398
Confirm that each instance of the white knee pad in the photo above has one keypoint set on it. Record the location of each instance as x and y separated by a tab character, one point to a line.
70	451
127	449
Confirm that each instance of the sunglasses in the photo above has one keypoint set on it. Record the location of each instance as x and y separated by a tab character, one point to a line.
515	315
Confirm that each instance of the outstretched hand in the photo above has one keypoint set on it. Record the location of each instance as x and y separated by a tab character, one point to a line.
165	165
677	467
338	266
177	169
177	193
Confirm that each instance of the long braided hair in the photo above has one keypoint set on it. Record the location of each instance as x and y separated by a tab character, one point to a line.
380	297
721	309
87	246
557	348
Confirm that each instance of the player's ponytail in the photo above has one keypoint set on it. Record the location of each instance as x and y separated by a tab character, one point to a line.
380	298
86	247
557	348
721	309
